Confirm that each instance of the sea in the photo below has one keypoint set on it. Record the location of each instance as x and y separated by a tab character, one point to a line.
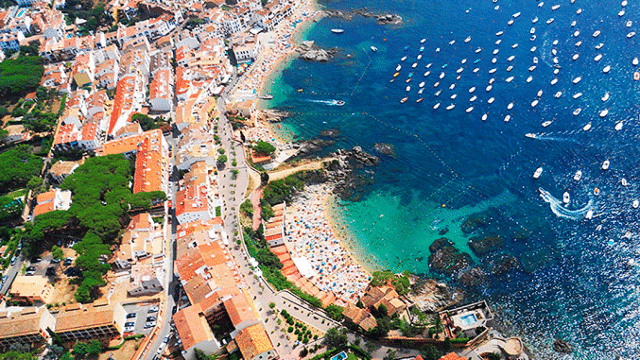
456	175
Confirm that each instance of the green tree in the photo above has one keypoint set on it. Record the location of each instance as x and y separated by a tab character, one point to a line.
272	305
57	252
264	148
20	76
430	352
391	355
335	312
222	159
34	183
264	178
18	166
335	338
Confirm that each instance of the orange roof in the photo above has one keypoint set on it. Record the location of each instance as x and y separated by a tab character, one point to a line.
148	174
192	326
42	208
239	309
131	143
89	316
253	341
452	356
45	197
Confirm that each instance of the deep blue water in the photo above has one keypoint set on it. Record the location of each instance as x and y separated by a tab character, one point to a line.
575	281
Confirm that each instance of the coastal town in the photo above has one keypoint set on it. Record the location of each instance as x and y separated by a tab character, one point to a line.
150	211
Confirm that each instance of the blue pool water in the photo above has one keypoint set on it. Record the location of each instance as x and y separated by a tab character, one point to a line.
468	319
341	356
572	278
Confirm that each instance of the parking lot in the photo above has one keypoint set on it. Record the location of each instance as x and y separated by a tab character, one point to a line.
142	312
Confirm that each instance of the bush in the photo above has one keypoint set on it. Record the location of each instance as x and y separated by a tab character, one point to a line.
290	329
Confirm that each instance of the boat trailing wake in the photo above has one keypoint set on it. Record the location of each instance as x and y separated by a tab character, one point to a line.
561	211
328	102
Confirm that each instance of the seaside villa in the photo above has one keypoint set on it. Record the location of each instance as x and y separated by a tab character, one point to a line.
471	321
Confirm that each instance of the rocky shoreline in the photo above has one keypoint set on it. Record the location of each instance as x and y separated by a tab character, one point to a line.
311	52
381	19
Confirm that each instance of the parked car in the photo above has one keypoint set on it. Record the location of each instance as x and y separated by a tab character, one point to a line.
150	324
131	315
153	309
55	261
14	260
31	270
68	261
35	260
51	271
129	324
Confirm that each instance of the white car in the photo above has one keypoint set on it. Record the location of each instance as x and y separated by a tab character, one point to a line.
153	309
150	324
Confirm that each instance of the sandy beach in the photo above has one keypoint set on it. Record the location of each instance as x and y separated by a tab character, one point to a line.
310	234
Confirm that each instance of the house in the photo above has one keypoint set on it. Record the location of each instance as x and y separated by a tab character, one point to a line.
142	243
98	320
360	317
55	199
31	289
198	196
161	91
27	326
254	344
384	295
16	133
274	228
195	332
143	281
61	169
246	48
472	320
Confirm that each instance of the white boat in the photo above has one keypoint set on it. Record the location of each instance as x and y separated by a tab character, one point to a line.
473	88
599	46
422	41
499	33
452	42
556	71
540	4
498	41
555	7
337	31
530	135
459	70
516	15
555	42
597	58
469	109
554	81
489	87
534	48
532	31
578	175
566	197
606	69
623	182
510	58
404	100
436	106
473	98
558	94
589	214
596	34
621	13
420	91
452	86
535	20
463	61
532	38
492	80
408	88
509	68
554	52
624	3
510	106
605	165
507	118
577	95
555	61
605	97
573	23
510	22
539	93
635	204
478	50
514	46
437	50
403	58
414	65
635	61
576	33
496	51
427	73
436	84
532	67
579	11
467	39
374	49
450	107
587	127
550	21
493	70
421	84
535	59
484	117
630	35
577	111
476	70
529	79
509	79
578	43
537	173
442	75
491	100
575	57
534	103
419	57
454	96
604	112
398	67
428	65
618	126
577	80
546	123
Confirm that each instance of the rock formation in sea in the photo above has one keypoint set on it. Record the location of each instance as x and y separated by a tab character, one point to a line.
483	245
473	277
311	52
562	346
432	296
385	149
446	259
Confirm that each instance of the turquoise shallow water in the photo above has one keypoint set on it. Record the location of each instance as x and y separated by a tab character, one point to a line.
574	280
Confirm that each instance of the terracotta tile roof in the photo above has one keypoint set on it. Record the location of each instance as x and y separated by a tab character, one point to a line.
253	341
452	356
43	208
132	142
192	326
149	170
240	309
89	316
21	324
45	197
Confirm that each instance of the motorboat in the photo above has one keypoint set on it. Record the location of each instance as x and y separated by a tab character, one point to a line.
540	4
555	7
558	94
454	96
436	106
578	175
509	68
606	96
510	106
576	33
578	43
494	60
496	51
577	79
587	127
419	100
554	52
529	79
566	197
604	112
556	71
618	126
469	109
404	100
492	80
577	111
452	42
510	58
606	69
493	70
621	13
414	65
532	31
427	73
473	98
554	81
534	48
498	41
491	100
575	57
534	103
484	117
623	182
420	91
442	74
421	84
499	33
597	58
408	88
467	39
516	15
510	22
555	42
403	58
624	3
535	59
459	70
419	57
546	123
589	214
472	89
452	86
550	21
577	95
374	49
450	107
535	20
463	61
422	41
635	61
579	11
596	191
532	38
635	204
537	173
436	84
507	118
636	76
630	35
476	70
398	67
573	23
532	67
428	65
509	79
530	135
599	46
605	164
478	50
596	33
337	31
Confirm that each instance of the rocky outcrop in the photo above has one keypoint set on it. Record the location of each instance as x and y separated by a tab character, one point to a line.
482	245
506	264
384	149
272	115
388	19
330	133
474	223
473	277
381	19
446	259
319	55
310	52
562	346
347	182
431	296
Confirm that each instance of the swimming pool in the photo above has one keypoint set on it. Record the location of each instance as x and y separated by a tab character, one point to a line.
20	13
468	319
341	356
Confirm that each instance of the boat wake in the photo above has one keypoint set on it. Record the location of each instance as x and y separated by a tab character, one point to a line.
328	102
560	211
